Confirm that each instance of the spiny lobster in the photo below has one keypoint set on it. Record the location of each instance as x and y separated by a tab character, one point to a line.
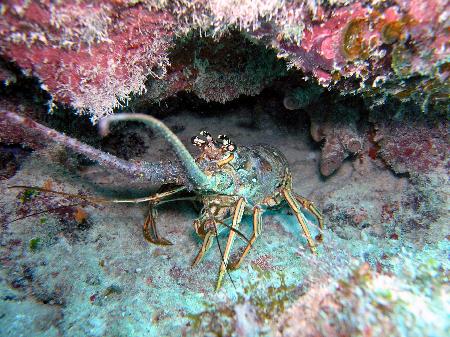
228	180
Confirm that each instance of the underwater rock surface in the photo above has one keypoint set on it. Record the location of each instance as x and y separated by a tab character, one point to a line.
95	55
84	269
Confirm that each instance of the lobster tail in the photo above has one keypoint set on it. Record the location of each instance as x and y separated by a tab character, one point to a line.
194	173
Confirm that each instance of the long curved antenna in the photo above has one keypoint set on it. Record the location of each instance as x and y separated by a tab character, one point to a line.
195	174
97	200
238	232
156	173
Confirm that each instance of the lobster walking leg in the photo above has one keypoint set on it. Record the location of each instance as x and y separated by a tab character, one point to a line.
314	210
207	242
257	222
293	203
238	212
149	229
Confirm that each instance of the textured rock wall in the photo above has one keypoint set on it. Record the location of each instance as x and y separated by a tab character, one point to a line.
94	55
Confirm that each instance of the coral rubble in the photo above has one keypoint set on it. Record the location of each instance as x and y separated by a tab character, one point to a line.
92	55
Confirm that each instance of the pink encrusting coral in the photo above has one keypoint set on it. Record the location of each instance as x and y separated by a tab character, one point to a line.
320	50
92	55
418	147
369	41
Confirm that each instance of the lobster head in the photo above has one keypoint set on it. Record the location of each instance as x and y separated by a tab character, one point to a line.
199	173
214	152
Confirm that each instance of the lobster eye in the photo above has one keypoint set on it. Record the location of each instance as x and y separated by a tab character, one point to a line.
207	135
224	138
231	147
197	141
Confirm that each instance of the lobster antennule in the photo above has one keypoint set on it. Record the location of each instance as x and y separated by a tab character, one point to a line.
194	173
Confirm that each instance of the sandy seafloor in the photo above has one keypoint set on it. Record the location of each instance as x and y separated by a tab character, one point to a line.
101	278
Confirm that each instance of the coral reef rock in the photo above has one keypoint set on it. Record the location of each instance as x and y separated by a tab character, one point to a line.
94	55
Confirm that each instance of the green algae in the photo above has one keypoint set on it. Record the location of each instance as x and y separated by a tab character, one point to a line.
303	96
35	244
276	297
28	194
401	60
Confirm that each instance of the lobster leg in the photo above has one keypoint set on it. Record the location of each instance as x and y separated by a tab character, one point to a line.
238	212
315	211
207	241
149	229
293	203
257	222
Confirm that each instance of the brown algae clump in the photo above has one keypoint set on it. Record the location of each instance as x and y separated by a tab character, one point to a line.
353	45
393	32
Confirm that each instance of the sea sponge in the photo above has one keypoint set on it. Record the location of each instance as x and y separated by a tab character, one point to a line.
338	128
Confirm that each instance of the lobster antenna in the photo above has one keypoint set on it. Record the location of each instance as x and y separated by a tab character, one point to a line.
96	200
238	232
195	174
